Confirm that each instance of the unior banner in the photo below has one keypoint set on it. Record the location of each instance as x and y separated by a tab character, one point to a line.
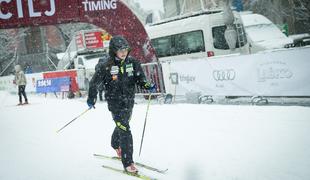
276	73
111	15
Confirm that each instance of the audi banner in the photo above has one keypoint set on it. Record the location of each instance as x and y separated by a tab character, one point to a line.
277	73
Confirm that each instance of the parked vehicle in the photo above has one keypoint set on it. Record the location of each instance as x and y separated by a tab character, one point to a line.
189	37
263	34
196	35
299	40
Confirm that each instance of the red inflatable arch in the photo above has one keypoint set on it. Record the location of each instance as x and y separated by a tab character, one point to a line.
112	15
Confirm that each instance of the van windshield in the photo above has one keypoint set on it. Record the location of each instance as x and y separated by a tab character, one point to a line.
261	32
177	44
93	56
219	41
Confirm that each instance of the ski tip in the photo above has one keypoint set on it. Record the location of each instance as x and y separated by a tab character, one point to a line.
164	171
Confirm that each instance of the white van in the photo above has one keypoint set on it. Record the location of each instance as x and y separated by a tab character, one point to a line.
199	35
195	36
262	34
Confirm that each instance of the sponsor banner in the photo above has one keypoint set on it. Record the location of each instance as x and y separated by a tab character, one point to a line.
277	73
31	81
57	74
79	41
53	85
93	40
6	82
112	15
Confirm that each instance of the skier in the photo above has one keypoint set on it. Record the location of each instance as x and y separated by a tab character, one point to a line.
20	81
119	76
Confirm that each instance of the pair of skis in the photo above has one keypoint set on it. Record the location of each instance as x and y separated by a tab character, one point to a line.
22	104
138	175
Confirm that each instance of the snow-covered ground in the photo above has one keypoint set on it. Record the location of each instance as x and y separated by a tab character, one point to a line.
196	142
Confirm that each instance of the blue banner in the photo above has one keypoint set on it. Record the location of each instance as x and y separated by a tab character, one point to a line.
53	85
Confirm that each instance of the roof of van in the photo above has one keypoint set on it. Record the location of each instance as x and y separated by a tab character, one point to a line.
198	21
187	15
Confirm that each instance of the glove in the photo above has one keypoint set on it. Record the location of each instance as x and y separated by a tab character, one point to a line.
150	86
91	102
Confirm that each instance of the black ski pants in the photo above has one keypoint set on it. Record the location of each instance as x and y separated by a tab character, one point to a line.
122	136
21	91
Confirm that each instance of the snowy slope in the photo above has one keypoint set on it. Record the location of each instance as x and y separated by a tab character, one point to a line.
196	142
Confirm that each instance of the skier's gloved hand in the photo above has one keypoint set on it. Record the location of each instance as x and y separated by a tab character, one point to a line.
150	86
91	102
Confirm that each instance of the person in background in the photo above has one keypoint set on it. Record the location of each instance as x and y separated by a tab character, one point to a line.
28	69
20	81
119	76
101	61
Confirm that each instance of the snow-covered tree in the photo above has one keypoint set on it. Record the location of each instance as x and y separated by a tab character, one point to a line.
295	13
8	47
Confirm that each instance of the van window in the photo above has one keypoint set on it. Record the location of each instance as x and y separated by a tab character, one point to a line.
184	43
163	46
93	56
219	41
190	42
80	61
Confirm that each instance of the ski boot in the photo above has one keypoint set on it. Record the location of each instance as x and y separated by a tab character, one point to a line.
119	152
131	169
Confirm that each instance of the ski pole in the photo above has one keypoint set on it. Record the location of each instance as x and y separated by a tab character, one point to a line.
147	110
73	120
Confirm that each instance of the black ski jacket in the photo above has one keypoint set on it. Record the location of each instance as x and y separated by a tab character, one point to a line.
119	80
118	77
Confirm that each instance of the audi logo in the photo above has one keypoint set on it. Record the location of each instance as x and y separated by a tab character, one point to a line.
224	75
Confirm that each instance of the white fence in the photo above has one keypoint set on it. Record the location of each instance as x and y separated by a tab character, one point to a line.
276	73
6	82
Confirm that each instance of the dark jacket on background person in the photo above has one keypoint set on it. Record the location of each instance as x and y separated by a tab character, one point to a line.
101	62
